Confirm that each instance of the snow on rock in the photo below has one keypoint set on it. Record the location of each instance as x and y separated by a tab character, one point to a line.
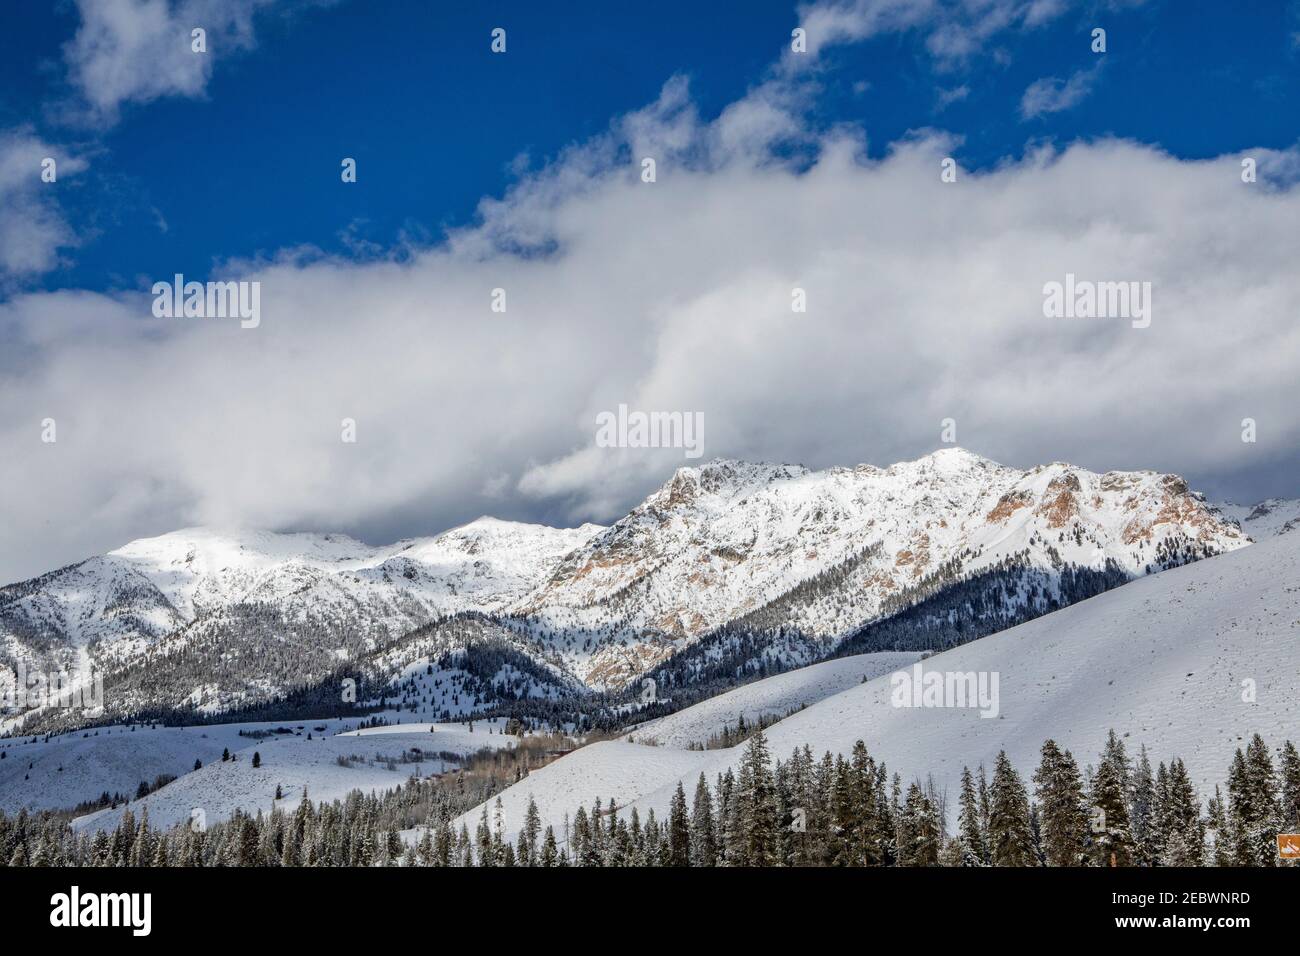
602	605
728	537
1162	661
1270	517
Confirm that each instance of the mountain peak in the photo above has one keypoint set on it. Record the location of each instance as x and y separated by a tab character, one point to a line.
956	458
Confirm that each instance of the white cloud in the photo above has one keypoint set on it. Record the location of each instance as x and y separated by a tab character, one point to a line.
32	230
139	50
924	302
946	98
954	30
1050	94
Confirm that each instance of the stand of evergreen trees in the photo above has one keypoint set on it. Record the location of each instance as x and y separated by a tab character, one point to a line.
803	811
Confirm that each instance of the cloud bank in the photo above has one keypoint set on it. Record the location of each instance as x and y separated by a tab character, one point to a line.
924	302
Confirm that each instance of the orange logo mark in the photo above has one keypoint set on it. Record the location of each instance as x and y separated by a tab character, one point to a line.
1288	846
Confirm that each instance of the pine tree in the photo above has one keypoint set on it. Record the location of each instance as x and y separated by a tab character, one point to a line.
755	805
1009	835
679	830
1142	813
1218	826
1289	771
483	840
970	836
1112	843
529	835
1063	819
550	852
919	845
1255	806
1184	831
703	843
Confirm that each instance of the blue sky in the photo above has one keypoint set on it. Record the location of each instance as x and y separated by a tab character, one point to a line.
520	171
437	122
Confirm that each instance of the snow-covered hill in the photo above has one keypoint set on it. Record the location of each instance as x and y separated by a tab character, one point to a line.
1190	663
797	561
74	768
773	697
327	767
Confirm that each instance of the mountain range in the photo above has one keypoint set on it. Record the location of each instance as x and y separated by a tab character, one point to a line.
729	569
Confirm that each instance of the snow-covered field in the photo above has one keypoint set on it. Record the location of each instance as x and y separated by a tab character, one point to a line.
1167	661
775	696
70	769
375	759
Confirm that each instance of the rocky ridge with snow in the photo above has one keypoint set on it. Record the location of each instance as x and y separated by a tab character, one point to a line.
816	554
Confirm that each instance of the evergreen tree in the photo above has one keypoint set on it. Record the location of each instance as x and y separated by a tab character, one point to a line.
530	834
1112	843
550	851
1062	814
755	806
1255	806
1289	770
1142	813
679	830
703	843
970	835
1010	837
1184	843
919	845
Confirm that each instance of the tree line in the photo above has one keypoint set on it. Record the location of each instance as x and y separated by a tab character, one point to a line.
803	811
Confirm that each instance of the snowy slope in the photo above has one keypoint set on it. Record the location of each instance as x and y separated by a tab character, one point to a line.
72	768
374	762
775	696
1161	660
610	769
1267	518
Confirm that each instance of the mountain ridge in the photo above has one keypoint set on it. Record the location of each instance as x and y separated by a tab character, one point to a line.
713	545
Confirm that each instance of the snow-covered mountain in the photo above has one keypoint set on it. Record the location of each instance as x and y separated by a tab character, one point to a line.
242	615
729	539
1265	519
1189	663
800	561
